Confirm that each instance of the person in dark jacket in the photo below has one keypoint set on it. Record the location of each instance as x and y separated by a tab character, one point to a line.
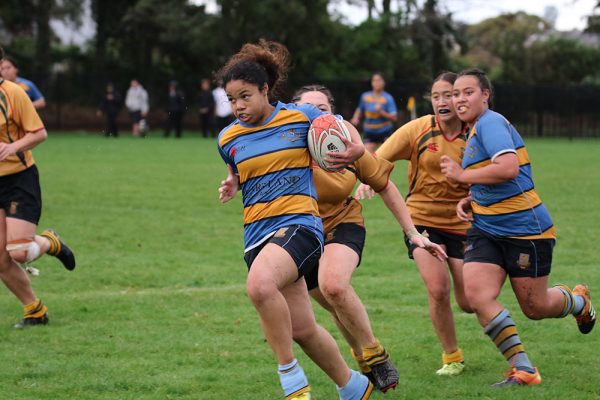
206	109
175	109
109	106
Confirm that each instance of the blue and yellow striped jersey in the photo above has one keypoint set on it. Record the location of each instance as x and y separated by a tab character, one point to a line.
374	122
29	87
274	167
509	209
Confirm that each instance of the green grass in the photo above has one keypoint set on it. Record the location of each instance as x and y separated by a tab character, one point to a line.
156	308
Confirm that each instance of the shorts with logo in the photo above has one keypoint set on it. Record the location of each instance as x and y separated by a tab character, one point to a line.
455	243
376	137
348	234
302	245
518	257
21	196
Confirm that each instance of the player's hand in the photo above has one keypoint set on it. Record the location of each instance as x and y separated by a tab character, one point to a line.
364	192
229	186
7	150
353	152
463	209
450	168
421	241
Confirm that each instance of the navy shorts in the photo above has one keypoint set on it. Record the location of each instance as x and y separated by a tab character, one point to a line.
518	257
21	196
301	243
376	137
454	242
348	234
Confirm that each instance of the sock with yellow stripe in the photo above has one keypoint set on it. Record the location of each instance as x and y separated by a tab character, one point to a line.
573	304
362	364
54	242
35	309
293	380
450	358
503	332
375	355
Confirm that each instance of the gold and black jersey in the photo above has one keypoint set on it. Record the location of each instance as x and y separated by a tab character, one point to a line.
17	118
431	197
334	189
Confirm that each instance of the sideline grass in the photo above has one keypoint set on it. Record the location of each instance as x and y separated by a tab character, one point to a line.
156	308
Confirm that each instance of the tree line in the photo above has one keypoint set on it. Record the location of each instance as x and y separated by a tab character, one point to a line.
160	40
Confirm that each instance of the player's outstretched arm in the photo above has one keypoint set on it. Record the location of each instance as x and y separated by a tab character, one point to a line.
396	204
229	186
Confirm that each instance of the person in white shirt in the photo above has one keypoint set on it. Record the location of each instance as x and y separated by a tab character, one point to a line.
137	104
223	115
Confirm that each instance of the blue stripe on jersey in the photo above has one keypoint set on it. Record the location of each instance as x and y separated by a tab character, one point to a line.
281	183
273	163
255	233
377	125
493	135
519	223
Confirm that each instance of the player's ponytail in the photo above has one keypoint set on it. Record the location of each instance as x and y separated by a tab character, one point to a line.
264	62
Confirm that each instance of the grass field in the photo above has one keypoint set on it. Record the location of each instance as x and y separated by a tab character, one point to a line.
156	308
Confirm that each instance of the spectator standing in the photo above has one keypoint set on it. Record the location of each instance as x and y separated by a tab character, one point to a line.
175	109
136	101
206	109
223	115
109	106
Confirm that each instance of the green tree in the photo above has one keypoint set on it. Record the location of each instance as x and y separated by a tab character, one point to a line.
498	44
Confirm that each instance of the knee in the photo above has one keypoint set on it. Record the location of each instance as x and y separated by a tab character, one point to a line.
439	294
532	311
464	305
333	291
259	291
303	334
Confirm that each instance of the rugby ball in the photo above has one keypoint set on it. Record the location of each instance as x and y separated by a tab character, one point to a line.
324	136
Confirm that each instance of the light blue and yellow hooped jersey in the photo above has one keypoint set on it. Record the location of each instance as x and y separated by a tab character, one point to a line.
374	122
29	87
274	168
512	208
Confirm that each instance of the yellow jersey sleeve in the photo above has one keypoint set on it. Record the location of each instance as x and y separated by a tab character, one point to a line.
373	171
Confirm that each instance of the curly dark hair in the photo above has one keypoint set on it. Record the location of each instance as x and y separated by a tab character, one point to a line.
265	62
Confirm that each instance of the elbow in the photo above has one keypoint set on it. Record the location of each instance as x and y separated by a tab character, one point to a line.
512	172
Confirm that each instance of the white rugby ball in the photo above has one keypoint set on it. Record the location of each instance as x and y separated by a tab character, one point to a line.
324	136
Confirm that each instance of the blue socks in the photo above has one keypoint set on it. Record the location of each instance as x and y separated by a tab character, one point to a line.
292	378
356	388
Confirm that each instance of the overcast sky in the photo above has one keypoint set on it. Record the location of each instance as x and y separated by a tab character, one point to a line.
571	13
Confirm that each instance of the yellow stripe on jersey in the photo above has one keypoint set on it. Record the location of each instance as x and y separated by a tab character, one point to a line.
376	126
549	233
291	204
273	162
520	202
283	117
522	156
373	115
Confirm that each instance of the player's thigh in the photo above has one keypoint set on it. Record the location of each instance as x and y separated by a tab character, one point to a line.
272	266
2	231
337	264
301	311
17	229
433	272
483	282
